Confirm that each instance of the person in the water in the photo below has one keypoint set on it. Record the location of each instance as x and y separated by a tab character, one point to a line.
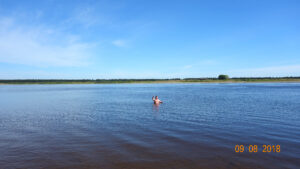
156	100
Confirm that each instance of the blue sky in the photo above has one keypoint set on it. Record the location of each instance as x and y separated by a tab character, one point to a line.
149	39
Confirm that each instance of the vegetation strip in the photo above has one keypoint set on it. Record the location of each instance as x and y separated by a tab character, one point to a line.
220	79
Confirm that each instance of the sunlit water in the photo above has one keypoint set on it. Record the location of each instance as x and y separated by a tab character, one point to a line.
117	126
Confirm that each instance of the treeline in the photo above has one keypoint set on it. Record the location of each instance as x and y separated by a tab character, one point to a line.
103	80
95	81
200	78
287	77
43	80
24	81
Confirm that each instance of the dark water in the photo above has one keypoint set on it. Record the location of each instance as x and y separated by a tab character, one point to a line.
117	126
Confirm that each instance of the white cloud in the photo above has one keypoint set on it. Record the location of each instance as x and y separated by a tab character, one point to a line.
141	74
119	43
5	22
201	63
85	16
40	46
187	66
286	70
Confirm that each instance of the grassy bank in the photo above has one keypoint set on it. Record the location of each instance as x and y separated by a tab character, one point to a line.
118	81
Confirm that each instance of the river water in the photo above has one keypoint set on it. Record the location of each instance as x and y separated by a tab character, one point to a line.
117	126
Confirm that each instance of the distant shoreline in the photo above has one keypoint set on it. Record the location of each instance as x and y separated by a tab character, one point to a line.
134	81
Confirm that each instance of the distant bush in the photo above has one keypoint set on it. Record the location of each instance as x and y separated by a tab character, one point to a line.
223	77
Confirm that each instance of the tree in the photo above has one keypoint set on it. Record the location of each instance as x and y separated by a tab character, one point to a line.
223	77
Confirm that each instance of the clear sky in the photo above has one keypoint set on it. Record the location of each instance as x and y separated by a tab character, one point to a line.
149	39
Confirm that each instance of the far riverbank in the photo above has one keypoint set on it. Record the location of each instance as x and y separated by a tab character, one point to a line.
177	80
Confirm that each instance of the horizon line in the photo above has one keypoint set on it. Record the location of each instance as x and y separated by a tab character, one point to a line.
187	78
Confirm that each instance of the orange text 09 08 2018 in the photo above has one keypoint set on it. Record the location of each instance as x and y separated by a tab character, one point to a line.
255	148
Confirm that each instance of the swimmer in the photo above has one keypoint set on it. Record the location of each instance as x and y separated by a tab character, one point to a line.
156	100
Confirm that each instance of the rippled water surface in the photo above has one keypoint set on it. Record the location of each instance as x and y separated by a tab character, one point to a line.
117	126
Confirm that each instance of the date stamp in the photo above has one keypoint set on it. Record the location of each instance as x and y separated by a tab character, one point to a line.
255	148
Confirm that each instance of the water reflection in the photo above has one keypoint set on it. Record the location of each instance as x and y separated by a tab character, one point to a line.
155	110
156	107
